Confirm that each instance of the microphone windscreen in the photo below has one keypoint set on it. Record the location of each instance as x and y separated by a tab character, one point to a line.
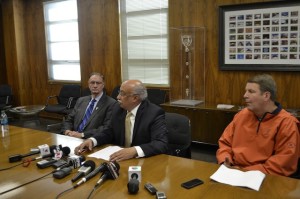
101	168
66	150
116	165
90	163
52	147
82	158
133	186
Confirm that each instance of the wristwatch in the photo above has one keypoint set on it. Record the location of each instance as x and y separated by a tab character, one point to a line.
82	135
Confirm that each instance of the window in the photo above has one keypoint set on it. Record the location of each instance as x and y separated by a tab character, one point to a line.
61	26
144	39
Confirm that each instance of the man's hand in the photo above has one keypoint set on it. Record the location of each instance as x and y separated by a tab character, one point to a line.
73	133
86	145
123	154
228	164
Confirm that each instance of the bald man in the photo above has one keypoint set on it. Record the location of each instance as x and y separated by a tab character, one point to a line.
75	125
148	132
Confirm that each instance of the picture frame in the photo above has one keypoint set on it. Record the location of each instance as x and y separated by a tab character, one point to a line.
260	36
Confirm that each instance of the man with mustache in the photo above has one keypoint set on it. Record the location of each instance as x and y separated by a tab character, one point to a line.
136	124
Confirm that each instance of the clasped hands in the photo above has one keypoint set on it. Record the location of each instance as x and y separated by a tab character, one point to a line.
228	164
123	154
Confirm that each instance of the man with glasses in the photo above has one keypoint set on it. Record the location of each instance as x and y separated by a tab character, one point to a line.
91	114
137	125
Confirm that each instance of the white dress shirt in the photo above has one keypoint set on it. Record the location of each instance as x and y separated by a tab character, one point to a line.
139	150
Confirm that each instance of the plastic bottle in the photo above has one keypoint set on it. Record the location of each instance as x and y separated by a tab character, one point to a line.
4	124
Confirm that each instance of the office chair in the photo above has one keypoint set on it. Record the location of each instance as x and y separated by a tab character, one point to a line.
179	135
5	97
65	102
85	92
156	96
115	92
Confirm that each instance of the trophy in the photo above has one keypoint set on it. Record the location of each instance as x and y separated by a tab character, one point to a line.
186	41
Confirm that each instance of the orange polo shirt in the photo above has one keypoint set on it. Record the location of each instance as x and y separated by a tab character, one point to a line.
271	145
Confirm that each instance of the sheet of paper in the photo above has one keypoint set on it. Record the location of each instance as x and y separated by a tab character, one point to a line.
250	179
224	106
105	153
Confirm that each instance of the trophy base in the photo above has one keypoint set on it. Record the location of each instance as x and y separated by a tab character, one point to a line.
184	102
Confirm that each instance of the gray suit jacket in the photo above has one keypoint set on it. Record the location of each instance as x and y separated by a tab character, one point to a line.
99	120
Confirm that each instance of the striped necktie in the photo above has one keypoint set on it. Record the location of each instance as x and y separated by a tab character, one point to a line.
87	115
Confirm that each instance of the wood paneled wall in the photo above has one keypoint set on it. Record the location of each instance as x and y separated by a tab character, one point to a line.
99	40
3	78
25	65
224	86
25	47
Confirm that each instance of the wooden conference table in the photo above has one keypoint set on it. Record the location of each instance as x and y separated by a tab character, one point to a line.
165	172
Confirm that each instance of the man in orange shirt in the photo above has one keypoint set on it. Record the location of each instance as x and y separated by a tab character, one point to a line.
262	136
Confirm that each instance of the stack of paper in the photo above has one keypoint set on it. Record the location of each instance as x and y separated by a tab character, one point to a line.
225	106
250	179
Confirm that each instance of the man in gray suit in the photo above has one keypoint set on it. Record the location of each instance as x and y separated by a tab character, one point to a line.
91	114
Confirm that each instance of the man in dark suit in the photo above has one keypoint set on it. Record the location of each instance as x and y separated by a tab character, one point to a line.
79	123
147	127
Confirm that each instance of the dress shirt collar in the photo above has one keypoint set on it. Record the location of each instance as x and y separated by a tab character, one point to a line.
98	97
135	109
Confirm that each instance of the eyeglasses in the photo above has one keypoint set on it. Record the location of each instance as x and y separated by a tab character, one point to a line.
94	82
123	94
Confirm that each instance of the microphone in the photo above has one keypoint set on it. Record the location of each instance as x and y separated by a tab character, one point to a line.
73	162
61	152
56	154
133	184
134	178
43	150
112	172
99	169
85	169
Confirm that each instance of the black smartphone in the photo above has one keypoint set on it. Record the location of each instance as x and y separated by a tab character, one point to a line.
192	183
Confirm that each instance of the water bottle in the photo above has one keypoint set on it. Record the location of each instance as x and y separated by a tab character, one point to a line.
4	124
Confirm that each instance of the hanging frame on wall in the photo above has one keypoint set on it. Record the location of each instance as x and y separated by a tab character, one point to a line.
260	36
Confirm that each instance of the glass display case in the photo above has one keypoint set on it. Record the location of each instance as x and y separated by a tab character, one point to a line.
189	66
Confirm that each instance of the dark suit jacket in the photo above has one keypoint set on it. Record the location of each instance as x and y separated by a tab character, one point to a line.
149	132
99	120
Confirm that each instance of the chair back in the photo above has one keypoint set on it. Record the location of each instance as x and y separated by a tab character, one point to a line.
85	92
115	92
179	135
5	96
156	96
69	94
